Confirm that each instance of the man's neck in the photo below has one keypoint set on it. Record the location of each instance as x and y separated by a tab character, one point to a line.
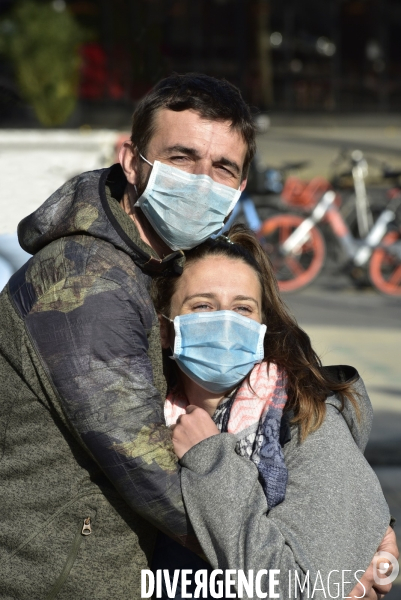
146	231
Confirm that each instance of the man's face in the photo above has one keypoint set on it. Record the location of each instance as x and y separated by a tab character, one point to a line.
189	142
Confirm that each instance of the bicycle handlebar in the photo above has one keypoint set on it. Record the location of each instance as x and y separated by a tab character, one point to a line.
293	166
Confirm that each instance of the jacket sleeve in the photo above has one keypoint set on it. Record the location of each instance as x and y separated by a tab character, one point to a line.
332	519
92	337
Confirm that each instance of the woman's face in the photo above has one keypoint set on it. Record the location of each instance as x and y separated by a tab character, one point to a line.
216	283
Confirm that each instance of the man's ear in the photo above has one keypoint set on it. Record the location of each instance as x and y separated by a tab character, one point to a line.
243	184
164	332
129	160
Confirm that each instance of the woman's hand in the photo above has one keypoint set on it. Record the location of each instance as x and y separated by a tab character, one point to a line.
191	429
372	590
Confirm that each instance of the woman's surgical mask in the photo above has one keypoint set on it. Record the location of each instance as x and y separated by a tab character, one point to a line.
185	209
217	349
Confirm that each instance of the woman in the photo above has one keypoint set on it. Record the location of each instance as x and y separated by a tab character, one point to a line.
228	285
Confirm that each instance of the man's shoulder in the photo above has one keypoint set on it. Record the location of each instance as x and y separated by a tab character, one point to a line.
74	266
82	256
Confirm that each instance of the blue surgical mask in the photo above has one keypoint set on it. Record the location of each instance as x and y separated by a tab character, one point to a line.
185	209
217	349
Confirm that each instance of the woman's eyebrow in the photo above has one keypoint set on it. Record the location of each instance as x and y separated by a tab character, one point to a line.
199	295
248	298
213	296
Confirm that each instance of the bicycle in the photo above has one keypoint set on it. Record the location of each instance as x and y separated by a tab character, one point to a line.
385	262
262	183
297	247
351	173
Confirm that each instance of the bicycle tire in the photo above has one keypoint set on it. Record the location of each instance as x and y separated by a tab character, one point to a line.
385	268
297	270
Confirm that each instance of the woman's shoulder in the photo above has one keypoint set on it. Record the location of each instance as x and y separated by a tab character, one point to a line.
359	417
342	416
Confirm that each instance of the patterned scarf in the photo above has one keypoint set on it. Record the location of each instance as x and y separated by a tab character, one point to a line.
253	414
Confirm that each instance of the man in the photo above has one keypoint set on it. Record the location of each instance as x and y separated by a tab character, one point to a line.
86	461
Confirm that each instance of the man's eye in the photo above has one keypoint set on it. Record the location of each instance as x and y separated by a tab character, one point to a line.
226	172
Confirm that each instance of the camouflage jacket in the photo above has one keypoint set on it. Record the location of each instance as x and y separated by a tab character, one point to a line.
83	446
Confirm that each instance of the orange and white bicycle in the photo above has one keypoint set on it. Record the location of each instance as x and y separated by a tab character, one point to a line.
297	248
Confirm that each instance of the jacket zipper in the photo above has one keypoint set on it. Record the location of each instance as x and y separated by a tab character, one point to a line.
51	519
84	530
86	527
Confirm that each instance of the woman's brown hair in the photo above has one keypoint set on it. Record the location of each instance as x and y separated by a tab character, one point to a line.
286	344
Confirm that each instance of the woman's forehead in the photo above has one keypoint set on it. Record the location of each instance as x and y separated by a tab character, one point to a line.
217	270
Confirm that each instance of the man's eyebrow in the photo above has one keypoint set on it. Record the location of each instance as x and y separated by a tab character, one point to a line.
225	162
183	150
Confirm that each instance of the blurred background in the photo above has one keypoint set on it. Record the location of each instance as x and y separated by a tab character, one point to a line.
324	81
287	55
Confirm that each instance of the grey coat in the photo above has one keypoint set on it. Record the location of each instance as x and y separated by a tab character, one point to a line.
333	517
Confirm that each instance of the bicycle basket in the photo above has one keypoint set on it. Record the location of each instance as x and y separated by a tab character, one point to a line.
304	194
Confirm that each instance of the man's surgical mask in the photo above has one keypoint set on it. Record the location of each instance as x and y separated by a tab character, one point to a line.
185	209
217	349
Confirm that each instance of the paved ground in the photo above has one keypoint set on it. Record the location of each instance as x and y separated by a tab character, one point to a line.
361	328
319	140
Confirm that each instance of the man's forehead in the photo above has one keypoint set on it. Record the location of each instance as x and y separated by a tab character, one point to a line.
172	127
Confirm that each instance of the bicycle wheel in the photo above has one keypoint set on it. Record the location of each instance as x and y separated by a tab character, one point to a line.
298	269
385	266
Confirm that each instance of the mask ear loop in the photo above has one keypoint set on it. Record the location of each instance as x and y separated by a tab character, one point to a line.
145	159
149	163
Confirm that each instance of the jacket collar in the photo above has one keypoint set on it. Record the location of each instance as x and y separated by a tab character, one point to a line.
112	185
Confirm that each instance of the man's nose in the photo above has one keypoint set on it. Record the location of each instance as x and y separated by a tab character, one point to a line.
203	167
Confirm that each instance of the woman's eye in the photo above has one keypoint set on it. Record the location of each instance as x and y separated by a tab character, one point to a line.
244	309
201	307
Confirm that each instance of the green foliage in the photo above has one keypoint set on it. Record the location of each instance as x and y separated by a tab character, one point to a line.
41	39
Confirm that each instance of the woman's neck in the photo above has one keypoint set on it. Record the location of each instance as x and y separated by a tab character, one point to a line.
198	396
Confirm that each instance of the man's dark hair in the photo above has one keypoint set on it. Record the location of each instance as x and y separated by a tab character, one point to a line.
214	99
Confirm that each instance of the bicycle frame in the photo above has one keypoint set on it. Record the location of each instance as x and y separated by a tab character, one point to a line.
363	212
298	237
247	206
358	251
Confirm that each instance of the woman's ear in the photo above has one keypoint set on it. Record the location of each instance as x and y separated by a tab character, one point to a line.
164	332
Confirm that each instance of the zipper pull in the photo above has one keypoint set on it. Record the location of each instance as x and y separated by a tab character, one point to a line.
87	529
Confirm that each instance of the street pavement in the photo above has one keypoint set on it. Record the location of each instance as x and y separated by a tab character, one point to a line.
320	139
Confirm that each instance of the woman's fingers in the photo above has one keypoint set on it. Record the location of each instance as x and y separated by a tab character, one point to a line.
193	427
369	586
